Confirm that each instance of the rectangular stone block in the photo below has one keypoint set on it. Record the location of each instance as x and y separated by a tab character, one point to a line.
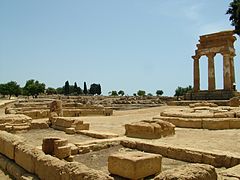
49	167
234	124
134	165
64	122
70	130
63	152
215	124
84	126
26	156
139	131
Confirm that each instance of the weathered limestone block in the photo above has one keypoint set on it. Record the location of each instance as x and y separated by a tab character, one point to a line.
189	172
63	152
49	167
26	156
16	171
74	149
20	128
48	145
79	171
56	106
84	126
215	124
149	129
70	130
234	102
3	162
134	165
98	135
64	122
59	142
234	124
39	124
15	119
205	103
8	142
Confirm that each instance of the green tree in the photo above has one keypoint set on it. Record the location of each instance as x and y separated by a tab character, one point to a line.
85	91
149	94
141	93
234	12
60	90
113	93
180	91
13	89
3	89
33	88
93	89
159	92
51	91
66	88
99	90
121	93
77	90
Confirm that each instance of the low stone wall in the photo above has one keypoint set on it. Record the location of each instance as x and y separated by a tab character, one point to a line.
68	124
188	155
186	103
199	123
13	123
189	172
14	170
44	166
149	129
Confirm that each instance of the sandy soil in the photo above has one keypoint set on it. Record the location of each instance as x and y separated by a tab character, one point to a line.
98	159
224	141
36	136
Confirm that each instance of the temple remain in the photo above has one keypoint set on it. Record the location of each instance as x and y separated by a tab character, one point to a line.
209	45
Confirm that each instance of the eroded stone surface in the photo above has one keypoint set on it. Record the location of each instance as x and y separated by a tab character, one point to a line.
134	165
189	172
150	129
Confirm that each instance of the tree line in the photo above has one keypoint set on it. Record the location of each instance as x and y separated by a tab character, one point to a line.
34	88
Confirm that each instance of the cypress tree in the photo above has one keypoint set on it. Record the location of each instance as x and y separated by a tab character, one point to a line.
66	88
85	91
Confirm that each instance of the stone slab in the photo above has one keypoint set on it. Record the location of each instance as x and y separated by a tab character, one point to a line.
134	165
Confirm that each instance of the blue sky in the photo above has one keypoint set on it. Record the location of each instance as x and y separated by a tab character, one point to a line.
121	44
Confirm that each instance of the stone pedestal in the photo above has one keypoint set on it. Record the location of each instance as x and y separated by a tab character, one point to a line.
134	165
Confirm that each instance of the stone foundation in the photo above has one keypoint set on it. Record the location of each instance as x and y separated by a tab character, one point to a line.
134	165
211	95
189	172
149	129
43	166
68	124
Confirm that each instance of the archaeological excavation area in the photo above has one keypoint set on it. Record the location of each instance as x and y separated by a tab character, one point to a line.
77	138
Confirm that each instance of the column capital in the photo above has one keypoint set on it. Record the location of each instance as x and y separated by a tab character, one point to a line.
196	57
211	55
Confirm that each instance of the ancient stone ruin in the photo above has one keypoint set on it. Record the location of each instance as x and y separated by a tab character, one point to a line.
134	165
209	45
149	129
202	115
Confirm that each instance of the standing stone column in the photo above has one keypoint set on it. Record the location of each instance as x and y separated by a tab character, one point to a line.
211	72
196	74
232	69
227	72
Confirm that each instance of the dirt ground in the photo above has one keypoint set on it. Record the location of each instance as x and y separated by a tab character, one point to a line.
224	141
98	159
